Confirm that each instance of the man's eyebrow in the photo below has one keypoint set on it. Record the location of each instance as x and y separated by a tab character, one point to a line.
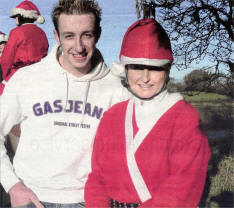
67	33
88	31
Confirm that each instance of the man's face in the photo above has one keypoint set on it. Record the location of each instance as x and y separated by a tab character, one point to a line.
77	39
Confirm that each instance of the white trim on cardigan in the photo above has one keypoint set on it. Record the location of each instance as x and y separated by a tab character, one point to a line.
135	174
132	144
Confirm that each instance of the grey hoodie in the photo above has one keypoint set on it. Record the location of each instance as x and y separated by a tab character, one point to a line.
59	114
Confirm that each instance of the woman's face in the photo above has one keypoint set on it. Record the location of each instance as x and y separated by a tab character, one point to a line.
146	83
2	45
17	21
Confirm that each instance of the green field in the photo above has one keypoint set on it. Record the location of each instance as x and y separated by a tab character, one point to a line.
216	113
207	97
216	110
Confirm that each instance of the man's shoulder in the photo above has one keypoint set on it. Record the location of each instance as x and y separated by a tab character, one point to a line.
115	81
32	71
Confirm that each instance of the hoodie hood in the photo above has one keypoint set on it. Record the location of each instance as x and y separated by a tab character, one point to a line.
98	71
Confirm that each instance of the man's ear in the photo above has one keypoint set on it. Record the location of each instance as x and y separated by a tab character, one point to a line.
99	31
56	35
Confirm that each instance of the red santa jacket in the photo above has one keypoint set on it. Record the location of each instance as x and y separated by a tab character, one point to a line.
172	160
27	44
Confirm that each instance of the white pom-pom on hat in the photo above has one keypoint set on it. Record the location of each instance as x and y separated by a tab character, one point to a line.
40	19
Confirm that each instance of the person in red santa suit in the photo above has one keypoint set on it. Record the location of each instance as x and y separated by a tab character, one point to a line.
27	42
3	41
148	151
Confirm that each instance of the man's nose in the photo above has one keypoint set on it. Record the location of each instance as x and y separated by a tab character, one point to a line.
79	45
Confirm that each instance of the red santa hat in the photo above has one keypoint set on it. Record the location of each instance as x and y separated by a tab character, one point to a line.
3	37
146	43
29	10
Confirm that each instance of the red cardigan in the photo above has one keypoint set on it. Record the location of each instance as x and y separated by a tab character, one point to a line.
27	44
172	159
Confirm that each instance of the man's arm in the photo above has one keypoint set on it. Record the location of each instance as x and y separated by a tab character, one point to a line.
21	195
10	114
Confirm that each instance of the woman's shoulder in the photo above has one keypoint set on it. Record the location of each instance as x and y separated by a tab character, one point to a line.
185	113
186	108
117	109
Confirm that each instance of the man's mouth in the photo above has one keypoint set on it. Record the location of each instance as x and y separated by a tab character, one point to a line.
80	57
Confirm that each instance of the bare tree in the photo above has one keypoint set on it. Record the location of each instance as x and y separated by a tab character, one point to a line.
202	80
199	80
199	30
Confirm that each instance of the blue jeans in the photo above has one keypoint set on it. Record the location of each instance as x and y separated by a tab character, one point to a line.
55	205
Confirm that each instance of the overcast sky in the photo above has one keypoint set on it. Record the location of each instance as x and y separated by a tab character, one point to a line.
117	16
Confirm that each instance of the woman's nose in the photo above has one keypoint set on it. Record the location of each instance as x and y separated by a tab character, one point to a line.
145	75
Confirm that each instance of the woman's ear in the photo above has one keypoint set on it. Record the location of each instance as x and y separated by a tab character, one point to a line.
167	79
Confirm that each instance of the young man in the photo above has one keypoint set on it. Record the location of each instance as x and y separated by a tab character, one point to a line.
58	102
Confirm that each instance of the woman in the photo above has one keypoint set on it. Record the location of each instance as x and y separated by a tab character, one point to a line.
149	151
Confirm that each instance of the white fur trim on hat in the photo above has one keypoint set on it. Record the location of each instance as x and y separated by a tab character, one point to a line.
28	14
25	13
144	61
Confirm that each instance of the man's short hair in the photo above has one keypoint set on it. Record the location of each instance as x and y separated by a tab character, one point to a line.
73	7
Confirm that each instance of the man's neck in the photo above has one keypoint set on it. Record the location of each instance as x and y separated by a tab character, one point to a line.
75	72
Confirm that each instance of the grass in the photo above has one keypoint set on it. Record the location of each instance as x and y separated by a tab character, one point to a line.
207	97
216	113
220	182
216	110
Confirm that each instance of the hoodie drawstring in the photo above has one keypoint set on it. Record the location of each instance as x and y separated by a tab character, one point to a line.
85	101
99	71
67	91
